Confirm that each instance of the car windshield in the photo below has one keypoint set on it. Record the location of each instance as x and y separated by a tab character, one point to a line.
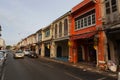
18	51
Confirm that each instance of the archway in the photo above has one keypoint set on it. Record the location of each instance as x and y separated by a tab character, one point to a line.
92	54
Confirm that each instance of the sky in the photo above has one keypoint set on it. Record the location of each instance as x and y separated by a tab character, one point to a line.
21	18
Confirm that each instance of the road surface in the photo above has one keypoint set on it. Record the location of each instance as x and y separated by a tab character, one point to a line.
40	69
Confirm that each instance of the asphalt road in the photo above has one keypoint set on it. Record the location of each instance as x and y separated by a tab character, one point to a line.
39	69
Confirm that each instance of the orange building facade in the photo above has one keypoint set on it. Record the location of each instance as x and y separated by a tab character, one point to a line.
87	40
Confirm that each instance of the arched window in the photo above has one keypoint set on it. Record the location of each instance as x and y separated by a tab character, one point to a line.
60	29
65	27
55	30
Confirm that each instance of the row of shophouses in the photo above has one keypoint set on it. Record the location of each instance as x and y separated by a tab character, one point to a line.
2	41
89	33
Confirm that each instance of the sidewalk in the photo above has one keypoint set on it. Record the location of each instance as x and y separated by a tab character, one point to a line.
84	67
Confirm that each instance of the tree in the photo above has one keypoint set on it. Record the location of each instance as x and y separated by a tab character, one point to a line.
8	47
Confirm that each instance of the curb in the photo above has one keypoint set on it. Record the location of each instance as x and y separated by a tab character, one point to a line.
111	74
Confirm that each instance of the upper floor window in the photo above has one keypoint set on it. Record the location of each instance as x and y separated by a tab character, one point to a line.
55	30
107	5
114	5
60	29
111	6
85	20
47	33
93	18
39	37
65	27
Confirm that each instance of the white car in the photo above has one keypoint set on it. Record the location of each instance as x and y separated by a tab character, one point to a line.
5	53
2	58
19	54
26	52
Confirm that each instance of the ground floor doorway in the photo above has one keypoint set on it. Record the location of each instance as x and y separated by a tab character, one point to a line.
85	51
47	52
62	50
39	51
113	46
92	54
59	51
118	50
80	53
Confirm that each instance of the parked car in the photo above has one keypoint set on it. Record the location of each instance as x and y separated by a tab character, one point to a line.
2	58
32	54
5	53
18	54
26	52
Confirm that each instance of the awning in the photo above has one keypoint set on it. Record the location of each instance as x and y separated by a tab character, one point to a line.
83	36
113	31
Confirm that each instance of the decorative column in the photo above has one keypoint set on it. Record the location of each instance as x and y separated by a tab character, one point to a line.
52	50
42	50
101	51
102	40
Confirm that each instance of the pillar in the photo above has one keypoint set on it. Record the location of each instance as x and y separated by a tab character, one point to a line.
52	50
43	50
101	50
72	51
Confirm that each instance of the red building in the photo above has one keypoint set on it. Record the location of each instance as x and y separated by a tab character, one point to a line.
87	37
